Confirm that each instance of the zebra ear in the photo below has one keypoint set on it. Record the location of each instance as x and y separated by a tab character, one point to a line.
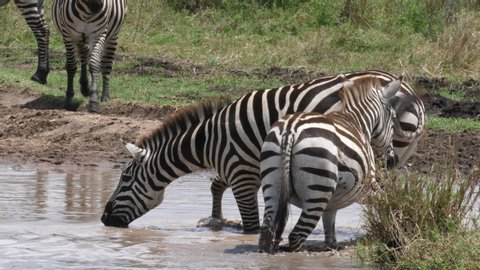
392	88
137	153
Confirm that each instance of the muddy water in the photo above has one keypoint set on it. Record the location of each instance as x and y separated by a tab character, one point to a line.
50	219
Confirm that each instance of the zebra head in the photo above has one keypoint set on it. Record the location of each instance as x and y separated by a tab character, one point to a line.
135	194
95	6
383	131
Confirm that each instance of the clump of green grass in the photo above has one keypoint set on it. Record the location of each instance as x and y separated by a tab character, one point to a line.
453	124
420	219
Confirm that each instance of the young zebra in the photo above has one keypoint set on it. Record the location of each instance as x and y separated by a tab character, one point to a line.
324	162
228	138
89	28
33	13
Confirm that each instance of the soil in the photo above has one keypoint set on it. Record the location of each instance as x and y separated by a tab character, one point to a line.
36	129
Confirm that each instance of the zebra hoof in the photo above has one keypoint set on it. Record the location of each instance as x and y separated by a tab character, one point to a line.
84	89
40	78
71	107
105	98
93	106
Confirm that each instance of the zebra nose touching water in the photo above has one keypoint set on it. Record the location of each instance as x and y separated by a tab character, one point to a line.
322	163
89	29
227	136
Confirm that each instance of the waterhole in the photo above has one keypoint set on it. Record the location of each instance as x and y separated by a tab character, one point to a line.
50	219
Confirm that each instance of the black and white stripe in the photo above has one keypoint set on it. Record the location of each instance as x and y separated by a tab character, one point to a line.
89	29
324	162
227	137
33	13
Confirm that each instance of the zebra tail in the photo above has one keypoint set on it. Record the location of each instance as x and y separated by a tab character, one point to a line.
282	211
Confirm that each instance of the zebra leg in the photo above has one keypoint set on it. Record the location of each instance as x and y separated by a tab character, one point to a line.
107	63
217	189
328	219
246	197
71	67
95	56
306	224
84	88
35	19
216	220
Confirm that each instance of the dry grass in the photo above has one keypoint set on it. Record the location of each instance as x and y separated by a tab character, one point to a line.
418	210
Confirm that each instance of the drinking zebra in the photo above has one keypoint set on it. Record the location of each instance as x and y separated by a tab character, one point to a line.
33	13
227	137
322	163
90	29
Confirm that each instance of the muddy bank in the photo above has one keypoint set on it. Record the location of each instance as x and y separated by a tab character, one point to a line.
36	129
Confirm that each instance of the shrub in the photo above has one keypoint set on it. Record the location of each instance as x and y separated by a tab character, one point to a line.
416	211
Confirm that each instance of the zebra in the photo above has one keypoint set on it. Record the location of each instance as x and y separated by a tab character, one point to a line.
228	138
322	162
33	13
90	29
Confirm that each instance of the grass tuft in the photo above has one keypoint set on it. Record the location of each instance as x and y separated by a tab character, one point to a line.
419	219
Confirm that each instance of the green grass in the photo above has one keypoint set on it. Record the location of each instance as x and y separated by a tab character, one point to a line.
453	124
412	36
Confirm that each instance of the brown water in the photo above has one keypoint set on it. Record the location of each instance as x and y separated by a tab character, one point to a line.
50	219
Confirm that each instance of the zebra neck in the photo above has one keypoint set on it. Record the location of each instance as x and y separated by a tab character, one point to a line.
364	123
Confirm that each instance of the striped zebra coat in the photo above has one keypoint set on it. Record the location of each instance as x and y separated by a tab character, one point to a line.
89	29
324	162
33	13
227	136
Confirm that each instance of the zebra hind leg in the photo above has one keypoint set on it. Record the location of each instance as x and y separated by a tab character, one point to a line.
248	205
106	88
328	219
305	225
84	51
71	67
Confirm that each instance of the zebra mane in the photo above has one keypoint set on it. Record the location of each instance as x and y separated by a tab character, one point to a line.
188	116
358	90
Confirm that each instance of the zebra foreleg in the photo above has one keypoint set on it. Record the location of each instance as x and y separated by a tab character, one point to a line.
216	220
217	189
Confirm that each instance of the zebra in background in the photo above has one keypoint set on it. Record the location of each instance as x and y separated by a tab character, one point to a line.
33	13
90	29
324	162
227	137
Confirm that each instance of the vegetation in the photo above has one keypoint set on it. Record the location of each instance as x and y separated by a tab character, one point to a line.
424	221
452	124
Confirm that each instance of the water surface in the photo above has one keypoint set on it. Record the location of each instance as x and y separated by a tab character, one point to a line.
50	219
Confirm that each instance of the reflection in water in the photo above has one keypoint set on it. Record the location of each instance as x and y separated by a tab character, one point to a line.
85	193
50	219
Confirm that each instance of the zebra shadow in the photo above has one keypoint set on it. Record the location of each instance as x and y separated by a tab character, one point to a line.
49	102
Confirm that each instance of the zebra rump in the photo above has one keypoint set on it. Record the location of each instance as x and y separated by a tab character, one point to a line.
307	156
90	30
